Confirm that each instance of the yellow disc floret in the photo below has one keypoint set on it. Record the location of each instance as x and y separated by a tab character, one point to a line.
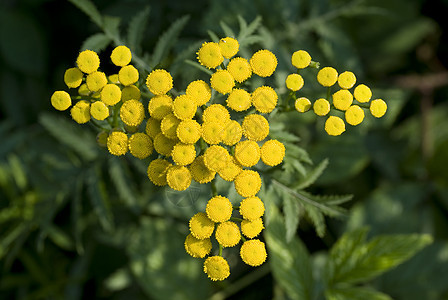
216	268
222	81
200	172
228	234
300	59
230	170
199	91
61	100
247	153
248	183
140	145
196	247
346	80
130	92
253	252
188	131
184	107
302	104
99	110
96	81
80	112
264	99
159	82
272	152
209	55
321	107
117	143
252	228
183	154
132	113
239	100
110	94
252	208
229	47
178	178
334	126
83	90
239	68
121	56
327	76
255	127
157	172
128	75
164	145
88	61
216	157
354	115
232	133
219	209
160	106
263	63
73	77
216	113
152	127
169	126
294	82
201	227
362	93
342	99
378	108
212	132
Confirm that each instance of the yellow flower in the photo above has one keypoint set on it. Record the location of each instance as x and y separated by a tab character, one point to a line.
378	108
252	228
230	170
300	59
263	63
117	143
342	99
255	127
157	171
212	132
152	127
196	247
354	115
239	100
110	94
346	80
302	104
264	99
96	81
228	234
294	82
160	106
253	252
128	75
252	208
132	113
140	145
239	68
321	107
248	183
200	172
216	268
209	55
159	82
99	110
334	126
130	92
199	91
178	178
121	56
184	107
80	112
61	100
232	133
229	47
88	61
327	76
164	145
216	113
73	77
188	131
201	227
272	152
362	93
169	126
222	81
183	154
113	79
219	209
247	153
216	158
83	90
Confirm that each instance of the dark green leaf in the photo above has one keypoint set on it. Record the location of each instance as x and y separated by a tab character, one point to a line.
136	29
355	293
96	42
312	176
99	199
89	9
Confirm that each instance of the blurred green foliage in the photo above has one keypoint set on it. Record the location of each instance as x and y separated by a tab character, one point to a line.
76	223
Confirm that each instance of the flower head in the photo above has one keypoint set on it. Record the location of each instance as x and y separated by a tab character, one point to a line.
334	126
321	107
140	145
188	131
216	113
184	107
152	127
216	157
96	81
342	99
159	82
300	59
252	208
157	171
178	178
229	47
99	110
255	127
264	99
239	100
209	55
164	145
200	172
354	115
219	209
73	77
130	92
110	94
228	234
160	106
197	247
199	91
263	63
252	228
117	143
232	133
216	268
88	61
248	183
201	227
61	100
294	82
183	154
253	252
247	153
128	75
272	153
230	170
346	80
327	76
132	113
240	69
362	93
121	56
212	132
169	126
222	81
80	112
378	108
302	104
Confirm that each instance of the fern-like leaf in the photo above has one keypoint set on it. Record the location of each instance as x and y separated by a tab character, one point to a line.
96	42
89	9
136	29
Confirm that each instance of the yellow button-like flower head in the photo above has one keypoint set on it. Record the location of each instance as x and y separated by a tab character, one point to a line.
216	113
212	132
96	81
130	92
196	247
264	99
110	94
201	227
169	126
178	178
302	104
199	91
247	153
346	80
228	234
378	108
157	171
248	183
184	107
232	133
216	157
132	113
354	115
160	106
219	209
209	55
88	61
229	47
140	145
188	131
216	268
327	76
61	100
362	93
252	208
200	172
240	69
294	82
252	228
253	252
263	63
121	56
80	112
272	152
342	99
255	127
117	143
222	81
300	59
183	154
152	127
159	82
321	107
334	126
164	145
128	75
99	110
230	170
239	100
73	77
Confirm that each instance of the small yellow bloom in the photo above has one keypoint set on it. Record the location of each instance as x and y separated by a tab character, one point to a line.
255	127
229	47
362	93
96	81
354	115
252	228
346	80
334	126
327	76
130	92
216	268
88	61
230	170
378	108
222	81
321	107
219	209
183	154
199	91
248	183
302	104
253	252
272	153
200	172
212	132
300	59
216	113
264	99
184	107
157	171
209	55
178	178
83	90
196	247
113	79
294	82
263	63
201	227
110	94
160	106
169	126
140	145
247	153
216	158
228	234
232	133
239	100
132	113
188	131
61	100
164	145
252	208
128	75
117	143
80	112
121	56
159	82
152	127
99	110
342	99
240	69
73	77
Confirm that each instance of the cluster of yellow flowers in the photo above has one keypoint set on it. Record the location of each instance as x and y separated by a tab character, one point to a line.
342	100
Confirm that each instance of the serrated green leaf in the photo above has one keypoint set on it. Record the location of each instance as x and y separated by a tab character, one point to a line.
250	40
227	30
122	184
111	27
213	36
312	176
182	56
291	209
167	40
98	198
96	42
317	219
89	9
198	66
137	28
355	293
248	30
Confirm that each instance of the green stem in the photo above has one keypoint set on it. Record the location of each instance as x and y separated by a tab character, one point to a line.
236	219
328	93
243	238
220	250
115	117
213	186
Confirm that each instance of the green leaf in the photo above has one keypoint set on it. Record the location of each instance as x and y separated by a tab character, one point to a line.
111	27
247	30
137	28
290	262
96	42
291	210
198	66
98	197
312	176
89	9
355	293
167	40
122	183
213	36
227	30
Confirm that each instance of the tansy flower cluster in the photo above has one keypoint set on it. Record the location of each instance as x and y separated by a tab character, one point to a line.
342	101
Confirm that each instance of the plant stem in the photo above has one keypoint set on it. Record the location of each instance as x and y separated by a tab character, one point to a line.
220	250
